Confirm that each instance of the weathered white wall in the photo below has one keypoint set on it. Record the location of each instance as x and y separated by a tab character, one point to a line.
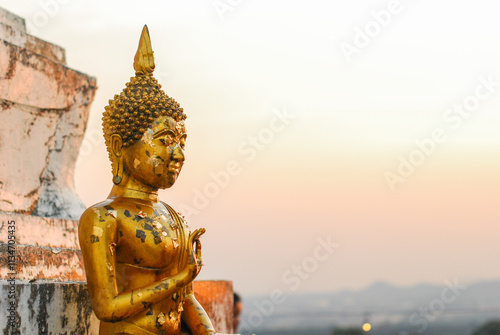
44	108
48	308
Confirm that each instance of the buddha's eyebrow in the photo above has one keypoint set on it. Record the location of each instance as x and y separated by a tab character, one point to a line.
164	131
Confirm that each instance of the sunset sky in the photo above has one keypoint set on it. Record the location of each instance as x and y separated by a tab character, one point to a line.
371	127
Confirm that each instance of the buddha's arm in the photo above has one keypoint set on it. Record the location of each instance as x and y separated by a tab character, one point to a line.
194	316
97	234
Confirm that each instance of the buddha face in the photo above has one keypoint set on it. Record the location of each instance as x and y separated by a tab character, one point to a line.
157	158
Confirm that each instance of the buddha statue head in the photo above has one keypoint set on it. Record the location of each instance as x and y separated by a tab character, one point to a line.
144	128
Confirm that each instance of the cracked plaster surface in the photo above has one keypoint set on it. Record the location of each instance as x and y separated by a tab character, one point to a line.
44	109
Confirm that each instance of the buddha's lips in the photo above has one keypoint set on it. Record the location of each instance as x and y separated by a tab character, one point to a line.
174	167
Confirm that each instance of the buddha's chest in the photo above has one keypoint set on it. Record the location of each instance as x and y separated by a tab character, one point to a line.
151	238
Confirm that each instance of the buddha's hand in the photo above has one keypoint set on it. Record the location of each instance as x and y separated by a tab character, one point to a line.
194	252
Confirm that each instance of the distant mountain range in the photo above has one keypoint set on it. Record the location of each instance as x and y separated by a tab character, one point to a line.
451	308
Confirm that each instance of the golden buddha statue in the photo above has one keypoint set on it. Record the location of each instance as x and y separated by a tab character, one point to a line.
139	255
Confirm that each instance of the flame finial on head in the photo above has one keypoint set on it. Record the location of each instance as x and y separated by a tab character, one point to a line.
144	60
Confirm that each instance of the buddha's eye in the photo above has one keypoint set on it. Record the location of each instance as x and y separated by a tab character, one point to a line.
170	135
168	138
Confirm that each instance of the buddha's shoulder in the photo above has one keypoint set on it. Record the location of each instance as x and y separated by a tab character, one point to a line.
104	215
116	209
94	214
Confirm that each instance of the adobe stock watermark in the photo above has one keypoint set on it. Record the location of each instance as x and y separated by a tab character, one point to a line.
248	151
293	278
222	7
48	10
364	35
429	313
453	118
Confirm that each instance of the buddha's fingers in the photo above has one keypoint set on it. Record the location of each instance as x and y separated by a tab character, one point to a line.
195	236
198	253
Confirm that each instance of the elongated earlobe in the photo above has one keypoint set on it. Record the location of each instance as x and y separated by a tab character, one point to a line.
116	152
117	179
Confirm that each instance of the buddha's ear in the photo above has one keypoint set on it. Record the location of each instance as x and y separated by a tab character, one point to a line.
116	145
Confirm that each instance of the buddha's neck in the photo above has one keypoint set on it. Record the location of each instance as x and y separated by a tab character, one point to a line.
135	190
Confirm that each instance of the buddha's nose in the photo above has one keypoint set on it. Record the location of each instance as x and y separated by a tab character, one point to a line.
178	154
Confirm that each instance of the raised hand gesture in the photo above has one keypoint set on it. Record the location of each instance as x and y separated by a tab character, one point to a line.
194	251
